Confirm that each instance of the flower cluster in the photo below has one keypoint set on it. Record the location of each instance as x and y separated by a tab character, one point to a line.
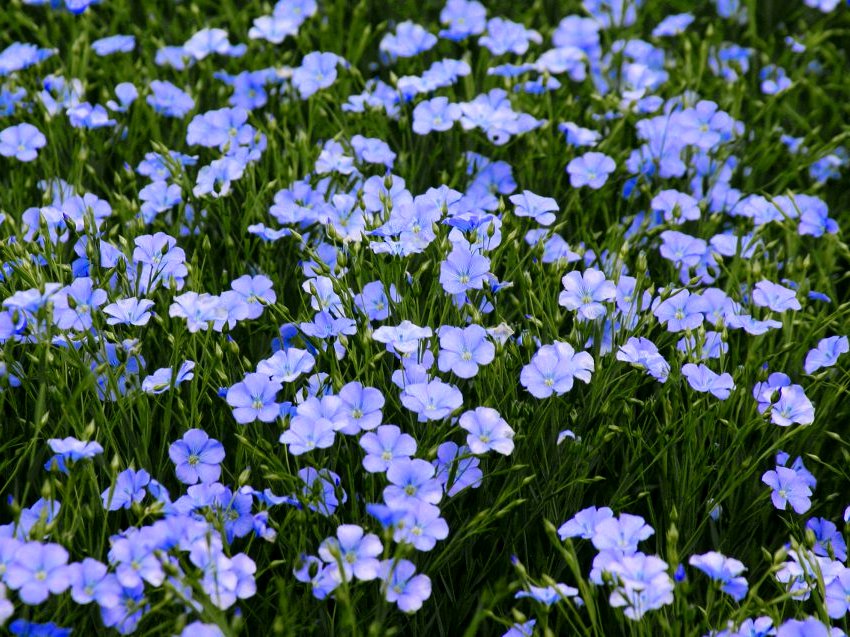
312	315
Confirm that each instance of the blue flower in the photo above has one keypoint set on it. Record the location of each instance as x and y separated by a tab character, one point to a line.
725	570
584	293
642	352
162	261
553	62
127	93
541	209
216	178
702	379
161	380
354	551
436	114
326	326
463	18
317	71
322	490
505	36
315	425
333	159
249	89
219	128
286	365
135	562
673	25
463	270
643	584
525	629
774	80
620	534
73	449
79	6
579	136
421	527
384	446
826	353
716	307
323	296
402	586
87	579
86	115
24	628
21	142
837	595
70	449
610	13
129	488
371	150
676	206
710	346
124	615
201	311
814	218
41	512
792	407
408	40
463	350
114	44
679	312
158	197
579	32
361	406
775	297
789	487
583	524
175	57
730	9
323	578
682	249
199	629
828	539
256	291
210	41
197	457
386	516
10	99
375	302
73	304
157	168
823	5
37	571
752	326
433	400
254	399
411	481
549	595
19	56
591	169
553	368
273	28
457	468
487	431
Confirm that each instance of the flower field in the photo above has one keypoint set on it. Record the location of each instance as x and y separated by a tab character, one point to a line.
438	318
